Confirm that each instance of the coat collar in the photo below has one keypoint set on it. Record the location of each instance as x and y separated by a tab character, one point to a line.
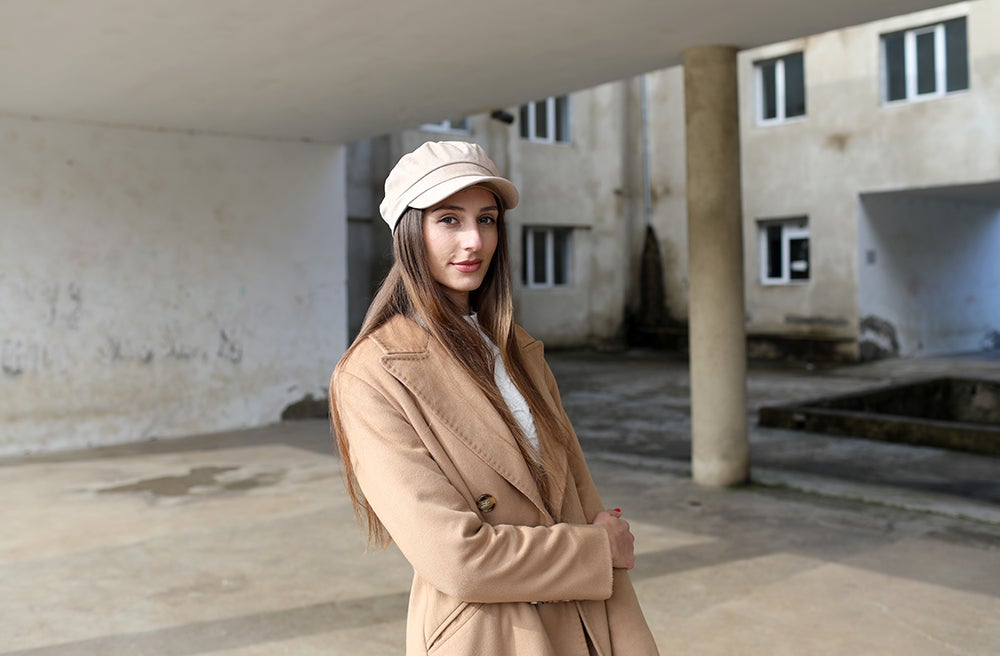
452	397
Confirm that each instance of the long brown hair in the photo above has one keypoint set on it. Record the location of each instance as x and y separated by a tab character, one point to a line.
409	289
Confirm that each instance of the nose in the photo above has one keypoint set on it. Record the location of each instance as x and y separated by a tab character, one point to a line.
472	240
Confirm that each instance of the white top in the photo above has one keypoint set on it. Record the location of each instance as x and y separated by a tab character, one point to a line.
515	400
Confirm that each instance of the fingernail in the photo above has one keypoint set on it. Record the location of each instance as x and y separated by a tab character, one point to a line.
618	510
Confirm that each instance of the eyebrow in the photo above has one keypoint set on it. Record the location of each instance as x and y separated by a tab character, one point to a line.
459	208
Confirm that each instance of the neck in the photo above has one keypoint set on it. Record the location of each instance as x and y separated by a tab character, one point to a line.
461	301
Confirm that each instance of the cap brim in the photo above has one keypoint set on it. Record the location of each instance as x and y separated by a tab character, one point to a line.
502	187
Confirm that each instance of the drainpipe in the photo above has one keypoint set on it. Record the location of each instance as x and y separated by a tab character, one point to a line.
647	196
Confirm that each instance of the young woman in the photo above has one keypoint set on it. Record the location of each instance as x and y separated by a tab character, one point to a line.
456	446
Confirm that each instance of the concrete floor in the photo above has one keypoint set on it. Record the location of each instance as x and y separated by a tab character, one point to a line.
243	543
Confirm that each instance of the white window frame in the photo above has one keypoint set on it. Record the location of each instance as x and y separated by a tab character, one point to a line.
550	110
550	257
779	90
797	228
940	63
910	64
449	125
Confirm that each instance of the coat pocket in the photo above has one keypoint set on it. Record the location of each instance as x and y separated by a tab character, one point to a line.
451	625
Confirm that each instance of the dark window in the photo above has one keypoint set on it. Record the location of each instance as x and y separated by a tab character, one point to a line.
560	254
541	119
770	90
781	88
562	119
926	68
956	54
895	69
926	61
798	256
546	120
774	258
784	251
539	259
547	256
795	85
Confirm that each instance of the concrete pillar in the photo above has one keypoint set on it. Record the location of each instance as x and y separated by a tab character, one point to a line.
720	448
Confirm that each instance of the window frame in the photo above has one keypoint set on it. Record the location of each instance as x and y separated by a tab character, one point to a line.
449	125
527	116
791	229
528	253
780	86
911	72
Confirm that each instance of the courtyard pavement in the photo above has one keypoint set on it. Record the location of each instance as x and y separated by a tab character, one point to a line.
244	543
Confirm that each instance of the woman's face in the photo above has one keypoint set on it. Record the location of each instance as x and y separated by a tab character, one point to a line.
460	237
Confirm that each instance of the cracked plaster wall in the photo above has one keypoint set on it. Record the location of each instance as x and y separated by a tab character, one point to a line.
156	284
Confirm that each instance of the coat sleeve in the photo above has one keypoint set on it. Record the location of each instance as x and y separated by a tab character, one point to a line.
630	633
447	543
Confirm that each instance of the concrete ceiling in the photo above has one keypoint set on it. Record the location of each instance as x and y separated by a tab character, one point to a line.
338	70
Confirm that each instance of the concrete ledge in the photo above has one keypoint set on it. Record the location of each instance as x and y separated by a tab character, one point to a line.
913	500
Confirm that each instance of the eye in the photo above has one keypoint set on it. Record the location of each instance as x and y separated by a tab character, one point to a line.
488	219
448	219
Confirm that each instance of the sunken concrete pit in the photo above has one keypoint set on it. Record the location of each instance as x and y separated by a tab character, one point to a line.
949	413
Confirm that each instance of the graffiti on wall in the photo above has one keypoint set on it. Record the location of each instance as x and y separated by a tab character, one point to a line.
23	356
63	332
229	348
118	349
63	305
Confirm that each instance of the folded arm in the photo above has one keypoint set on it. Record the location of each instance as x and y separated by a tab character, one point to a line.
436	527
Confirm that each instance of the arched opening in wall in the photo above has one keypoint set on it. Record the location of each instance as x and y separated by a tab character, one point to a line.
929	271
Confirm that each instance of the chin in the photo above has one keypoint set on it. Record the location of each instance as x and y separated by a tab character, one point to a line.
467	285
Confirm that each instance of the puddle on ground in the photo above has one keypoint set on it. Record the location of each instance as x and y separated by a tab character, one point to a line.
198	481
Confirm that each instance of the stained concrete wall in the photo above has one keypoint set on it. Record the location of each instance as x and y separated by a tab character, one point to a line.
851	143
156	284
848	144
370	252
931	270
668	182
579	185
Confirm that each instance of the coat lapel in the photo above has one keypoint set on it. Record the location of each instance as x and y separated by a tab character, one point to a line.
448	393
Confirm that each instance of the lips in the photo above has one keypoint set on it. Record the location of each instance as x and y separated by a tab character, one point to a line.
468	266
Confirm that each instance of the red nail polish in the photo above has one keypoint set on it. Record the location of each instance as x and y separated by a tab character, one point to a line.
618	510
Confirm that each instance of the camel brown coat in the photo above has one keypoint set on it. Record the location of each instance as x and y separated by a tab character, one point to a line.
426	445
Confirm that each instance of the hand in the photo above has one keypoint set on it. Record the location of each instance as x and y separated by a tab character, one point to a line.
622	540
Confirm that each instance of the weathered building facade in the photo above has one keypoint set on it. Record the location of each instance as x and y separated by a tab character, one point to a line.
174	219
892	174
871	194
568	237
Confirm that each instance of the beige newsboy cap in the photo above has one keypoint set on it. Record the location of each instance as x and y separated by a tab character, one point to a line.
436	170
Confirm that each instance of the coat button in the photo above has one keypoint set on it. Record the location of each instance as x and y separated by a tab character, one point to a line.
486	503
